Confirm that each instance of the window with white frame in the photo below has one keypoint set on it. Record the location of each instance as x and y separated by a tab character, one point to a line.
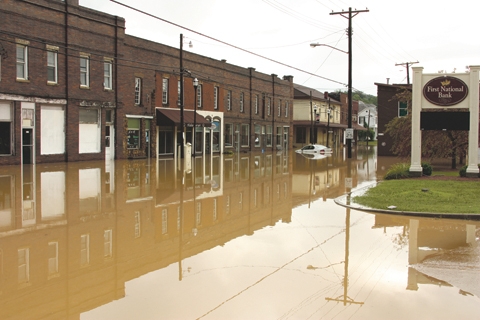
107	244
138	230
269	105
165	91
52	64
22	62
198	214
23	265
164	221
84	250
52	259
286	109
84	71
108	74
241	102
199	96
138	91
229	100
269	136
245	135
215	98
280	108
402	109
255	104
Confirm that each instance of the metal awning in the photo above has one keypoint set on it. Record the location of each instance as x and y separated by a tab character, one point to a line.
171	117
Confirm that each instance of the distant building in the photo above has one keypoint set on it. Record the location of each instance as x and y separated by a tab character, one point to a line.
311	123
367	116
389	108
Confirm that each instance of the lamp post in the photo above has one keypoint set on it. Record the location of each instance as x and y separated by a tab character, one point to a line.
315	108
195	85
180	99
328	121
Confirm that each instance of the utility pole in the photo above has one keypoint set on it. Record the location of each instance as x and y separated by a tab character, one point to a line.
407	65
349	15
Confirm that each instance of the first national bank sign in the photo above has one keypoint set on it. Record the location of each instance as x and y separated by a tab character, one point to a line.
434	93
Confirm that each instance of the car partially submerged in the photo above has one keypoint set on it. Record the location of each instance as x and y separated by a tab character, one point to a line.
314	149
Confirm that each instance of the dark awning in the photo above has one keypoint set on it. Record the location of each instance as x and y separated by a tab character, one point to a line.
171	117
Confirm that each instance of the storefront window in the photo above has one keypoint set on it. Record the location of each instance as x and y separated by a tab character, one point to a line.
133	134
5	128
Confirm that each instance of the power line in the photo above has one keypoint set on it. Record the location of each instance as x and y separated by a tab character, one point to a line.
225	43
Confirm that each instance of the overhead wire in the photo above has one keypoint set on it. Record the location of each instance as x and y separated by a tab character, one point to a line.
226	44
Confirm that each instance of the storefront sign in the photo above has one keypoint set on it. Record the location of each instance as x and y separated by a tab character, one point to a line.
445	91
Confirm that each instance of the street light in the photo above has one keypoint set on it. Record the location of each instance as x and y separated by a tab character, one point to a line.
349	116
313	45
195	85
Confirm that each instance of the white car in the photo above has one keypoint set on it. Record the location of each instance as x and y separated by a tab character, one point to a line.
314	149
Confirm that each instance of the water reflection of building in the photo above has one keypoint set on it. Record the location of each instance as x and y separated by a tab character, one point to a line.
72	235
325	178
428	239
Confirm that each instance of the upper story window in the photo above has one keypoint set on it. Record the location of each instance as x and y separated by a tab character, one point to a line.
215	98
165	91
286	109
280	108
22	60
241	102
229	100
255	104
108	74
138	91
84	71
199	96
52	64
402	109
269	106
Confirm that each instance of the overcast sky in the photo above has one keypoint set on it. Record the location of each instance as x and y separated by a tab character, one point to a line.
440	35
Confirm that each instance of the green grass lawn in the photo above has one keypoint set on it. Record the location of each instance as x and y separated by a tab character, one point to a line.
410	195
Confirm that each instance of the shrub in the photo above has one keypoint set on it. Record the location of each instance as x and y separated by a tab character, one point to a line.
463	171
398	171
426	169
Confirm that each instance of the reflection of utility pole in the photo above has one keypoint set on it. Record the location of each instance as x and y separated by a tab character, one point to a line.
345	299
407	65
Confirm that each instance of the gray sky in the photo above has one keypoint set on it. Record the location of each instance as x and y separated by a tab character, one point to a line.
440	35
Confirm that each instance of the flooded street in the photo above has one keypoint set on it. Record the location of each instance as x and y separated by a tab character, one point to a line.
245	236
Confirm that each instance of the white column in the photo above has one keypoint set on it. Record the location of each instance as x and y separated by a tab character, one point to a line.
472	169
416	151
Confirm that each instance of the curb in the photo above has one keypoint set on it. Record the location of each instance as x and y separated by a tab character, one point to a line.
342	201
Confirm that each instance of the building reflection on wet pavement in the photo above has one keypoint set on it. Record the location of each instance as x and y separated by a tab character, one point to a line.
236	236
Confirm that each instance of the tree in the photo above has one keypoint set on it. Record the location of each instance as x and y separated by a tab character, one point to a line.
435	144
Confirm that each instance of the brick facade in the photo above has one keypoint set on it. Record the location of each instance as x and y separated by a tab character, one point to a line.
72	32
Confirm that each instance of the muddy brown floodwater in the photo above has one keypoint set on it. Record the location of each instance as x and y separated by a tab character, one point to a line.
250	236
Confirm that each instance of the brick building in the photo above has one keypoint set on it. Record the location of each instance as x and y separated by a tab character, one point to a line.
74	86
389	107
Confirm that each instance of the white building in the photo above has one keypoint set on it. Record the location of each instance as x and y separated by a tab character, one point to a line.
367	113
